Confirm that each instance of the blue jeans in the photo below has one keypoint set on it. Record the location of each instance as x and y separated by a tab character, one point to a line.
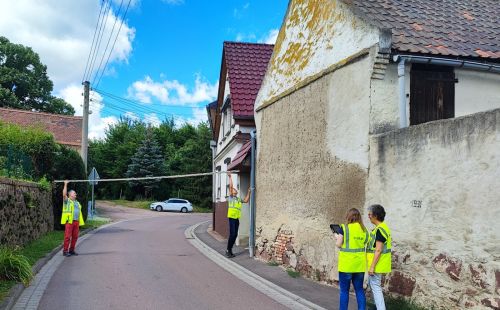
376	287
234	224
345	283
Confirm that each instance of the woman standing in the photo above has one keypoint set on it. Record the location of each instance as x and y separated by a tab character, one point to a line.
352	259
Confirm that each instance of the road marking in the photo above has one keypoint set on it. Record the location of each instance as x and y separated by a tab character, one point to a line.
279	294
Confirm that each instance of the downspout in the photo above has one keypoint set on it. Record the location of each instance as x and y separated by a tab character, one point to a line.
213	146
251	239
402	94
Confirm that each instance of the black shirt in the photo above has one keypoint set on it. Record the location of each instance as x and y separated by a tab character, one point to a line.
380	237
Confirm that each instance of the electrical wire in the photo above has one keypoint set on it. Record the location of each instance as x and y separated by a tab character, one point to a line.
99	37
112	48
109	40
93	40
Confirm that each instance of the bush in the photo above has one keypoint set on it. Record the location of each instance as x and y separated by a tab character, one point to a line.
14	266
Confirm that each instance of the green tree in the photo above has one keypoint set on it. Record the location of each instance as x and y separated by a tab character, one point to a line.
147	162
24	83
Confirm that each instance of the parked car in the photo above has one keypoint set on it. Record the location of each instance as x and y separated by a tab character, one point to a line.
172	204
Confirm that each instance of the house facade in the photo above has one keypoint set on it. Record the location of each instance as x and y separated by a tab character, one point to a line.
231	118
67	130
385	102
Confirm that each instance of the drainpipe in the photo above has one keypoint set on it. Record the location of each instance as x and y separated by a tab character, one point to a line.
402	94
251	239
213	146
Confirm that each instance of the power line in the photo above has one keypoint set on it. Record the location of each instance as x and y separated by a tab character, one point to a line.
99	37
109	40
112	48
93	40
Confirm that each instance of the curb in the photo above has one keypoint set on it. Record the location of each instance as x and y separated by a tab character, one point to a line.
16	291
266	287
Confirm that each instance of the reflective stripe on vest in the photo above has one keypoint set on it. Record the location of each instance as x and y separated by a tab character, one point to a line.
352	257
234	208
67	213
384	262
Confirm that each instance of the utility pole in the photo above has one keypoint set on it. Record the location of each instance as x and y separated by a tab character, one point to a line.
85	127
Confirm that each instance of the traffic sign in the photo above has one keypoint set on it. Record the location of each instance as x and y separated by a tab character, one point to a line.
93	177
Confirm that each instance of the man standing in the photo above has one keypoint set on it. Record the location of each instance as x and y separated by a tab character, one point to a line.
378	253
233	215
72	218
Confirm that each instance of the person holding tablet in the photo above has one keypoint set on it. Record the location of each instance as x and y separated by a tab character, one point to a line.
351	239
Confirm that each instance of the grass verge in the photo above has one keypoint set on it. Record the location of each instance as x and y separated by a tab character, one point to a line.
139	204
292	273
37	249
272	263
201	210
397	303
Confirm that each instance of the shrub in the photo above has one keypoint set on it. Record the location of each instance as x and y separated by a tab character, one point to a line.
14	266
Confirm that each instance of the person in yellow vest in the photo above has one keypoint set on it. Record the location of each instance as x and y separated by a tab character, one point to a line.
233	215
378	253
352	259
72	218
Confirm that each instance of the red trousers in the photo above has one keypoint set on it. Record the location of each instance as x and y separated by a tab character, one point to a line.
71	232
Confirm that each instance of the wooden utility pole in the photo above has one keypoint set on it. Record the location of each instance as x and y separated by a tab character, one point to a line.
85	127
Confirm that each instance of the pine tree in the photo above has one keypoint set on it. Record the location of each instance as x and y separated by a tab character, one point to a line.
148	161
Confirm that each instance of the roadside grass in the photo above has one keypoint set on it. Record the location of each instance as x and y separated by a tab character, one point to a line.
272	263
39	248
144	204
138	204
292	273
397	303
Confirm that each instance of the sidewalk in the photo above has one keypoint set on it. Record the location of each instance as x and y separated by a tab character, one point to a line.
323	296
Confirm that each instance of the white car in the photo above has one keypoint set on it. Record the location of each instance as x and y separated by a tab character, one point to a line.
172	204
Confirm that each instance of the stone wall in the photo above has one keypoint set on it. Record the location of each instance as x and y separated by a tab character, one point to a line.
25	212
439	183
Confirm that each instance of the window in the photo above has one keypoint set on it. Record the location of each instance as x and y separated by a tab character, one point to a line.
432	93
227	120
218	182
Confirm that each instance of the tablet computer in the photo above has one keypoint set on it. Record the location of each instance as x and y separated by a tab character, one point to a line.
336	229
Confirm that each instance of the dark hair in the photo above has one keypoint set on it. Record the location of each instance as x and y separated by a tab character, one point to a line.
353	216
377	211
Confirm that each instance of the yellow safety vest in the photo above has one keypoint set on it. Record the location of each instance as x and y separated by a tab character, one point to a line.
352	257
67	213
234	208
384	262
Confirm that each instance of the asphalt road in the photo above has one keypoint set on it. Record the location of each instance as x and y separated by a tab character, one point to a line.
145	262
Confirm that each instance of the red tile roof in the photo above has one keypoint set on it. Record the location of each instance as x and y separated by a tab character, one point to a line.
240	156
246	65
466	28
67	130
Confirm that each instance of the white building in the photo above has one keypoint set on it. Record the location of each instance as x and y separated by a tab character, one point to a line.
231	118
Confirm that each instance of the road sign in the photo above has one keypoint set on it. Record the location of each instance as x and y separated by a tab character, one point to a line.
93	177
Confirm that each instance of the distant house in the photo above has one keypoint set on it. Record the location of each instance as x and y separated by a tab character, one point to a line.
231	118
391	102
67	130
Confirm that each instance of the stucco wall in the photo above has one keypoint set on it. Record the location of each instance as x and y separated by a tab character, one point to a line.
305	180
439	183
314	36
476	92
25	212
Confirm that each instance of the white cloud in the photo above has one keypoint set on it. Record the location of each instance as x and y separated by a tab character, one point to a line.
172	91
238	13
61	31
97	124
245	37
271	37
152	119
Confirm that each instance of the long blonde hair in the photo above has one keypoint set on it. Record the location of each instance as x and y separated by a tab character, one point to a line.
354	216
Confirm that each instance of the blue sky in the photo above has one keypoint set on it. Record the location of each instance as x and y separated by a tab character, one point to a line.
167	56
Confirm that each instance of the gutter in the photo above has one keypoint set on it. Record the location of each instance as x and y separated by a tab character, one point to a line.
456	63
251	239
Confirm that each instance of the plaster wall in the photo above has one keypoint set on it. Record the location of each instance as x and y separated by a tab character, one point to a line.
476	91
305	180
314	36
439	184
